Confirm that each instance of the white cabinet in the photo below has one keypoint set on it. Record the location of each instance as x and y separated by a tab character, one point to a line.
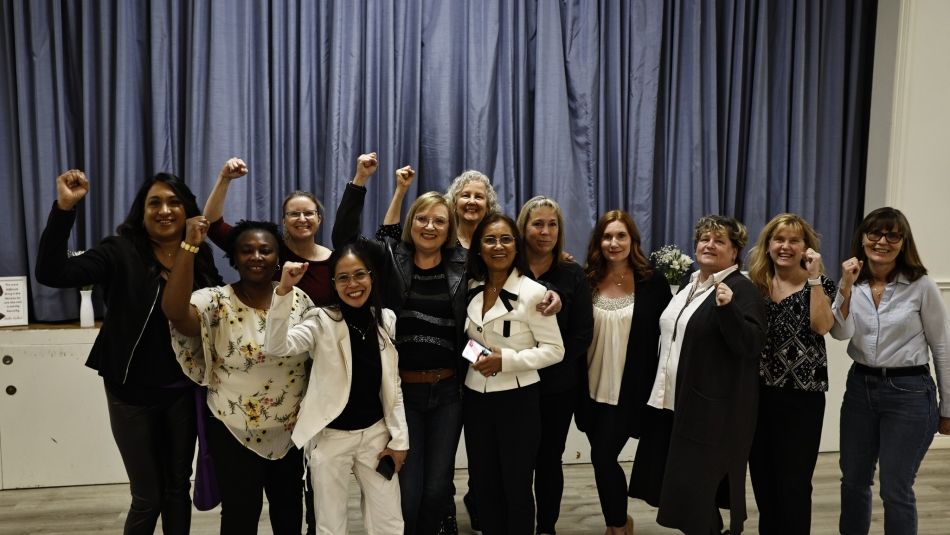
54	424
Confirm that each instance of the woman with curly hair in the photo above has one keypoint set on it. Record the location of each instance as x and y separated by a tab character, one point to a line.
253	398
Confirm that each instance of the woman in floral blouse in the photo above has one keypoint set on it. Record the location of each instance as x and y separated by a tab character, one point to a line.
218	335
793	372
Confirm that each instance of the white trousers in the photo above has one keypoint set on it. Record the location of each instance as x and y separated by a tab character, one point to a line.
334	455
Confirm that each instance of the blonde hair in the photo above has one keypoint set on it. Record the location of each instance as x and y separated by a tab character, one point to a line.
424	202
524	217
761	266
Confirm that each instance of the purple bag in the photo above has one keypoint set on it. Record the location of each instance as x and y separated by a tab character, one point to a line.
206	495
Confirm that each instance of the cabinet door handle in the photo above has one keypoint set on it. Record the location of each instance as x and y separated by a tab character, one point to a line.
7	359
11	390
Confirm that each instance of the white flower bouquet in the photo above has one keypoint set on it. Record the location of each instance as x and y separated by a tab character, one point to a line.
672	263
77	253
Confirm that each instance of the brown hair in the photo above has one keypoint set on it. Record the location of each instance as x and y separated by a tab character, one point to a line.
596	267
884	219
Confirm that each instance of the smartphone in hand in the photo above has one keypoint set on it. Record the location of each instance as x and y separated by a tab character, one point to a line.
386	467
473	350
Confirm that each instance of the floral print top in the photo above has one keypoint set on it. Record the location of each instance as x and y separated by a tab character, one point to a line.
256	396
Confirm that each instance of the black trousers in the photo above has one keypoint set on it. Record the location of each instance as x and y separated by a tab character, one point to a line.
157	445
608	434
783	457
502	432
556	412
243	475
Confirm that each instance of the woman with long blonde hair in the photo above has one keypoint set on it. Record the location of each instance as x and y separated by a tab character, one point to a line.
786	267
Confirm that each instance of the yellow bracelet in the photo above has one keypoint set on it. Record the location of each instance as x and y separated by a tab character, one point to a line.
189	247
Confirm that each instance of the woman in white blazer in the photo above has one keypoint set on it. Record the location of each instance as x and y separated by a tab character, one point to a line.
501	410
352	417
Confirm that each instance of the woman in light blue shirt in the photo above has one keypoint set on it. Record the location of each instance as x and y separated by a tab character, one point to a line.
893	314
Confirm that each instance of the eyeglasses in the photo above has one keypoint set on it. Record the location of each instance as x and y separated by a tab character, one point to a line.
309	214
437	222
891	237
342	279
504	239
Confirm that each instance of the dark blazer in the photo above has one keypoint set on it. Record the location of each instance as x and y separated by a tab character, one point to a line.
132	290
576	322
717	388
397	266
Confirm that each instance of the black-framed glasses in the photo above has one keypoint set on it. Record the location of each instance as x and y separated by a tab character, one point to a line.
425	221
891	237
308	214
342	279
504	239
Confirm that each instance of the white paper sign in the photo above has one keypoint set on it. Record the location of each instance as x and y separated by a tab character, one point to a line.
14	309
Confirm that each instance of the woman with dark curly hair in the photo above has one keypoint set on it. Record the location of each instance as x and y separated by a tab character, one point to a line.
150	400
628	297
253	397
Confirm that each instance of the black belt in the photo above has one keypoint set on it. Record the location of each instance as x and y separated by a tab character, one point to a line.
891	372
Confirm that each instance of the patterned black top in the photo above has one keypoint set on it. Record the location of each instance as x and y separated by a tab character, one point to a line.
794	355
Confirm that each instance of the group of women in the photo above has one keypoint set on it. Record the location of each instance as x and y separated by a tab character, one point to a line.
374	357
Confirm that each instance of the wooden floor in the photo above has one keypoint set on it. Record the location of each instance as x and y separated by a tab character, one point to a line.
101	509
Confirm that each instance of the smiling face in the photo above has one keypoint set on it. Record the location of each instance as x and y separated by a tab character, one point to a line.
615	242
541	232
498	247
881	253
472	203
787	247
430	228
256	256
164	218
352	280
301	219
715	252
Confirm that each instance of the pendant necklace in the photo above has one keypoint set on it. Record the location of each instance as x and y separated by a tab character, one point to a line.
357	329
622	275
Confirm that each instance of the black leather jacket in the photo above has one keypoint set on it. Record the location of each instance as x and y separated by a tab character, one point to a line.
132	291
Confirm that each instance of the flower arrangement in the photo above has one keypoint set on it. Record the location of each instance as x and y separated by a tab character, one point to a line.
77	253
672	263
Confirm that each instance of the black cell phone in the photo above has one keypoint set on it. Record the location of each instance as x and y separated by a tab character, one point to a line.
386	467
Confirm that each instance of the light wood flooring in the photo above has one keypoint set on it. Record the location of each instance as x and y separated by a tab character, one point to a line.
101	508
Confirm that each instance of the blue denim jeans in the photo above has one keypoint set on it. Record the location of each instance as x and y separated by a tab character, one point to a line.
890	420
434	415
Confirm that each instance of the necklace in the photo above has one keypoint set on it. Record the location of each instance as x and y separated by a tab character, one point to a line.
357	329
492	290
620	283
239	290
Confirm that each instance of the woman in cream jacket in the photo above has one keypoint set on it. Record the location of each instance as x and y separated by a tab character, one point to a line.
352	416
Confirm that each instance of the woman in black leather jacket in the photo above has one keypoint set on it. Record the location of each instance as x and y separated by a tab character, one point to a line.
151	403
